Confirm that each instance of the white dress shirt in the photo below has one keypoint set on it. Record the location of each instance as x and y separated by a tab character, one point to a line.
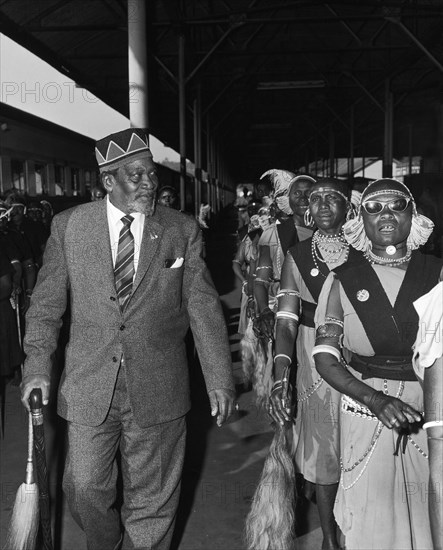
115	224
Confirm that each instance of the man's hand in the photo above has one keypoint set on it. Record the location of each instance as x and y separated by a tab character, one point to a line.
31	382
222	404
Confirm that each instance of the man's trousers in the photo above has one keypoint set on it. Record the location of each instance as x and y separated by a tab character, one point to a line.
151	468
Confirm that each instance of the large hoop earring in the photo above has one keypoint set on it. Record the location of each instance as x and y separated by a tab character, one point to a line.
307	218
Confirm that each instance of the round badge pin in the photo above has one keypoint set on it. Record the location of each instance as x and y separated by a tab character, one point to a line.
362	295
314	272
391	250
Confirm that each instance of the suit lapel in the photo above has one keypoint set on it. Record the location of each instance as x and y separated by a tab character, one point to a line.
99	237
152	235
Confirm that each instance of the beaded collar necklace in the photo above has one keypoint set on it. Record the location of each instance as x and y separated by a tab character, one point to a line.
380	260
326	244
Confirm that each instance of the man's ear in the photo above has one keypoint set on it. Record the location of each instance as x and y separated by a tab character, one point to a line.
108	182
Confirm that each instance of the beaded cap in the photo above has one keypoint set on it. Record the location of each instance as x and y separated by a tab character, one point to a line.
118	149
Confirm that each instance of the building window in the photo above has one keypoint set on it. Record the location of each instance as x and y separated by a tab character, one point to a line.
41	187
88	181
18	175
75	182
59	177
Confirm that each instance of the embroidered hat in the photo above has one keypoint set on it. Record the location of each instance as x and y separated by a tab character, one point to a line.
118	149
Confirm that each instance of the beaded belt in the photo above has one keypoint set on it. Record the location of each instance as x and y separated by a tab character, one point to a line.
350	406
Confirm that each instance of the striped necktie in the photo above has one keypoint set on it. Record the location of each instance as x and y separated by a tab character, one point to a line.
124	262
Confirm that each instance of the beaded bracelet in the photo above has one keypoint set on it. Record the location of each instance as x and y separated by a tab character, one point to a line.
288	292
262	281
324	348
283	355
427	425
287	315
334	321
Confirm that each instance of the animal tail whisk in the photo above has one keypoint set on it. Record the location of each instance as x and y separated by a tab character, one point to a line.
270	524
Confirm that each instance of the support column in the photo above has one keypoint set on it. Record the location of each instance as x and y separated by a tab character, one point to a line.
351	144
5	173
388	133
182	117
209	163
197	151
81	182
50	179
331	151
30	184
137	64
67	181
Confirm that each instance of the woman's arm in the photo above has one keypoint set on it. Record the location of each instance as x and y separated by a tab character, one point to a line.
327	354
285	337
264	273
238	262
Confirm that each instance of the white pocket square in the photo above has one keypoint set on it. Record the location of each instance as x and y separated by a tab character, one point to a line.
178	263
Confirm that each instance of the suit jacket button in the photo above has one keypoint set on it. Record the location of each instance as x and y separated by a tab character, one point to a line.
122	327
112	298
115	359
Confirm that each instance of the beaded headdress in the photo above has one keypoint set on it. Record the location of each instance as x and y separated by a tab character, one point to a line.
421	227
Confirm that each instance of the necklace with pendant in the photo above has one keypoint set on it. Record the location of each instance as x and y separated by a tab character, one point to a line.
380	260
327	244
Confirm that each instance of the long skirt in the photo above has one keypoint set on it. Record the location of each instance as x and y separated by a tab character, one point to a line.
382	500
316	428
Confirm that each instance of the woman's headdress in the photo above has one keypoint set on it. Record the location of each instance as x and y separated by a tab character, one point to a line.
281	182
421	227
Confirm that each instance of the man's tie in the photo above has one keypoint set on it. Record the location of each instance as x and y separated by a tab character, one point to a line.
124	263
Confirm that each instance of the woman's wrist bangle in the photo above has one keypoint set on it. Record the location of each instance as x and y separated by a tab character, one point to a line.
283	355
433	423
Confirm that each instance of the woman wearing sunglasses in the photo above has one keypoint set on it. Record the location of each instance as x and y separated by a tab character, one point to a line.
366	308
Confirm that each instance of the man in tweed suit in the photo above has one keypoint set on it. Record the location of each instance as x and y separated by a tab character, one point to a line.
125	383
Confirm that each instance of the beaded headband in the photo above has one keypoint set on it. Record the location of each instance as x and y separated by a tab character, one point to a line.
323	189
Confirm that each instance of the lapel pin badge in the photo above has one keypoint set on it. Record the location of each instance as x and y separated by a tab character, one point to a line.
153	236
362	295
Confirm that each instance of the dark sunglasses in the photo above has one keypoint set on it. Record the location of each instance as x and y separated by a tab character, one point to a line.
397	205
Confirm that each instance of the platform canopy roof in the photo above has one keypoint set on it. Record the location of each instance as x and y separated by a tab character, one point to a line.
282	82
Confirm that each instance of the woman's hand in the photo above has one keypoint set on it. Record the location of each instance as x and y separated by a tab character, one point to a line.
250	308
280	401
266	323
393	412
